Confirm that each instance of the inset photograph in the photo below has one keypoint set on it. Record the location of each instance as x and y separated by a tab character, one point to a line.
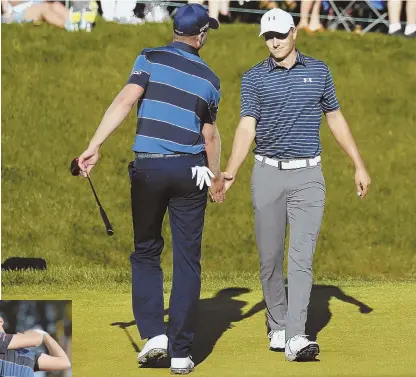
35	338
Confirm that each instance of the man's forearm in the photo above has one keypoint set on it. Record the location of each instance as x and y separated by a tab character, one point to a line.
113	117
54	348
27	339
342	133
241	145
213	150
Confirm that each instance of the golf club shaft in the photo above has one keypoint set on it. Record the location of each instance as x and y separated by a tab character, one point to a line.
107	223
95	194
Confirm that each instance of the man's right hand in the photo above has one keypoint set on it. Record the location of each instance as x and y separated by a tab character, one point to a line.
220	186
87	160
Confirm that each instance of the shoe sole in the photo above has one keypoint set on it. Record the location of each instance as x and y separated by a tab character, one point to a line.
153	355
181	370
277	349
305	354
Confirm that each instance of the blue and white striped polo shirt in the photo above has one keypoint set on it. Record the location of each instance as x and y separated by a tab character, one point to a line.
181	94
16	363
288	106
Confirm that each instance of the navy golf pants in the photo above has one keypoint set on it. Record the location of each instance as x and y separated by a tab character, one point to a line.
157	185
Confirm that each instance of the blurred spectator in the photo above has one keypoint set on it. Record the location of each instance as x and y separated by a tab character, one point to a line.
53	13
87	11
313	23
121	11
265	4
215	7
155	12
394	10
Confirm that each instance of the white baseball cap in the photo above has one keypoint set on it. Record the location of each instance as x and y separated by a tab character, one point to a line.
276	20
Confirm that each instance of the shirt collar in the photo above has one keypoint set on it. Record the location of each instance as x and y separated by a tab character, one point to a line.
184	47
300	59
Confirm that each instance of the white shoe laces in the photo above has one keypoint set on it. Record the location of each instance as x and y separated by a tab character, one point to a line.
301	336
272	332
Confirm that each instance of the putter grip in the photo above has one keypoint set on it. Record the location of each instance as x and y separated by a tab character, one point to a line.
108	226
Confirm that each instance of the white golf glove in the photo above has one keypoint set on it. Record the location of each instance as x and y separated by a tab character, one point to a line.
203	176
43	333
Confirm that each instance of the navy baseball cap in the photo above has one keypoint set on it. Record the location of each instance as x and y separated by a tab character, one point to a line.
192	19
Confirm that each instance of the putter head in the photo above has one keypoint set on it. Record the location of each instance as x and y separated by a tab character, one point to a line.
74	168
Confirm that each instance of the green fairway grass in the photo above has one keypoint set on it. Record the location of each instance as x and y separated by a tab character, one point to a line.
56	87
364	329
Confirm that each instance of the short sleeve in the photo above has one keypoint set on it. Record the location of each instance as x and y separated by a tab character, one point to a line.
37	355
212	111
140	73
250	99
329	100
5	340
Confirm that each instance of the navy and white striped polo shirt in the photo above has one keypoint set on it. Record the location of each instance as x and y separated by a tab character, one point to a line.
288	106
16	363
181	94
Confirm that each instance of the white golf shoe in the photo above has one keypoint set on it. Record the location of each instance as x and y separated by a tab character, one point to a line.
277	340
181	365
300	348
154	349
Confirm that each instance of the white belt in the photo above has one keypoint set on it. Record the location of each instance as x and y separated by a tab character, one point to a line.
289	164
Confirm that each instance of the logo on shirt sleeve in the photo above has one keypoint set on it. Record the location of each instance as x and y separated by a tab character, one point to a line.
307	79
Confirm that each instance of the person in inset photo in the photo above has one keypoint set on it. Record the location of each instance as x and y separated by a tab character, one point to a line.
16	360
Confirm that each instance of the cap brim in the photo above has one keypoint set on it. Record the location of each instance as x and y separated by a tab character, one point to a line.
276	30
213	23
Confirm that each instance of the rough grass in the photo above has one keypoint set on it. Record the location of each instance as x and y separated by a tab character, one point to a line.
69	280
56	86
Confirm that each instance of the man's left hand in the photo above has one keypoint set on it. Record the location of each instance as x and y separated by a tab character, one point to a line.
362	181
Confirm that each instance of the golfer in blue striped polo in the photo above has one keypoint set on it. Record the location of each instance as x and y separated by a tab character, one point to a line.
177	150
282	101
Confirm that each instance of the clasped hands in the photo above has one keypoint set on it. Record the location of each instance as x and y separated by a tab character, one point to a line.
218	186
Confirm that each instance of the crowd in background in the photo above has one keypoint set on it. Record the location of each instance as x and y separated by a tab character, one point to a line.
313	15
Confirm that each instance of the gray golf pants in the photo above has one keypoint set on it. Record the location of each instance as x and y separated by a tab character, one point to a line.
279	197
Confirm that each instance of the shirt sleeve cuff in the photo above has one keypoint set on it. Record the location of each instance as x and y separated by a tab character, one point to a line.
249	114
330	110
140	80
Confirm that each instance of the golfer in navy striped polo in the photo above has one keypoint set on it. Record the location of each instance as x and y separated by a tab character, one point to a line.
177	149
282	101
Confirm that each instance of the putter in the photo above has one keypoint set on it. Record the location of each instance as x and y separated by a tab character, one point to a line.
75	171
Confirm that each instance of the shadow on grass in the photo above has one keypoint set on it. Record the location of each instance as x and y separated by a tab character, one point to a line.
319	313
219	313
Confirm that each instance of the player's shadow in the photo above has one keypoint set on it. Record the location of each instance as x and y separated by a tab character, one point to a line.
216	316
219	313
319	313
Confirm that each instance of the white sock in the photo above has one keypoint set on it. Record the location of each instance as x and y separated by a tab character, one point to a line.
394	27
410	28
